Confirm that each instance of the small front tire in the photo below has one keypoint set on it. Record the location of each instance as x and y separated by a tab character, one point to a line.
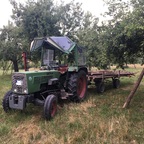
50	107
5	102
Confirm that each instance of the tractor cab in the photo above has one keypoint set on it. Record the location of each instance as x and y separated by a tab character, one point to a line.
58	53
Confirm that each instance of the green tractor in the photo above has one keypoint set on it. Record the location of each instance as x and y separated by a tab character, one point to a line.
63	75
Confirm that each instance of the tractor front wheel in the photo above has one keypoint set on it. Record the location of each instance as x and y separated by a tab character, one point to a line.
50	107
77	86
5	102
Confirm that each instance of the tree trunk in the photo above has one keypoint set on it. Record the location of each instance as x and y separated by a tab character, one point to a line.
15	64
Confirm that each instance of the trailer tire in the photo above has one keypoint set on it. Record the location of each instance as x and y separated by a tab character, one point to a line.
116	83
5	102
100	87
50	107
77	86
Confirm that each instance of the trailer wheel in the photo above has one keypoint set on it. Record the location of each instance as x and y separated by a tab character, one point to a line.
5	102
100	87
116	83
77	85
50	107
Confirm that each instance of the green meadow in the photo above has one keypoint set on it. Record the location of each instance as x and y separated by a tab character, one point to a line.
99	119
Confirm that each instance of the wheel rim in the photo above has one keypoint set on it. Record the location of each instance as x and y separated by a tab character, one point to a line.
53	108
81	87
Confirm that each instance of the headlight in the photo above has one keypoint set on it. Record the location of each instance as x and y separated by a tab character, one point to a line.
15	90
25	91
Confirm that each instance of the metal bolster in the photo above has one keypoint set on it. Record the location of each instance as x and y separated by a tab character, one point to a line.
19	101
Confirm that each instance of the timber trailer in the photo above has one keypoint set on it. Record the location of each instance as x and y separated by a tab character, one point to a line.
63	75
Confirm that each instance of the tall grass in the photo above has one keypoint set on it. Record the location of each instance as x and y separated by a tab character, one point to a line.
100	119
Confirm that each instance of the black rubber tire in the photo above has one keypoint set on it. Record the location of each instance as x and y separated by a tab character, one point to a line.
77	86
5	102
116	83
100	87
50	107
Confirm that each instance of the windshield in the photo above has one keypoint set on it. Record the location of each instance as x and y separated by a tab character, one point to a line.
64	42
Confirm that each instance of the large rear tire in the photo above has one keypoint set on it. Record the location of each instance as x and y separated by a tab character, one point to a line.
5	102
50	107
77	86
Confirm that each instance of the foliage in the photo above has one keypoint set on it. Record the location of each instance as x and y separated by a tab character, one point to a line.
125	32
70	18
11	44
36	18
44	18
90	37
5	66
117	41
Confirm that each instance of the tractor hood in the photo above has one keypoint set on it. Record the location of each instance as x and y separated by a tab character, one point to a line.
62	43
31	81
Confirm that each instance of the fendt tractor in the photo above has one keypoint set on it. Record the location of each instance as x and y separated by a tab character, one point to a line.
63	75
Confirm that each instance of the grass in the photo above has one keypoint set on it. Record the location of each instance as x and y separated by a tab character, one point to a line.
100	119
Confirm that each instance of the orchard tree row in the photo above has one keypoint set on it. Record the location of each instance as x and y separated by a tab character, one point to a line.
119	40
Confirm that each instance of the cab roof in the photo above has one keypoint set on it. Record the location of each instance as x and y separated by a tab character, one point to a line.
61	43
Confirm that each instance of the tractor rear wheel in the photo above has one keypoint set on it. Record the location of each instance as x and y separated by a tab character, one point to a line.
77	86
5	102
50	107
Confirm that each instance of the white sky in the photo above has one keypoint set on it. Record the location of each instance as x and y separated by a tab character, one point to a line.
96	7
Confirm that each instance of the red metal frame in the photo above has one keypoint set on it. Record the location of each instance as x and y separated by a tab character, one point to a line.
81	86
25	60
